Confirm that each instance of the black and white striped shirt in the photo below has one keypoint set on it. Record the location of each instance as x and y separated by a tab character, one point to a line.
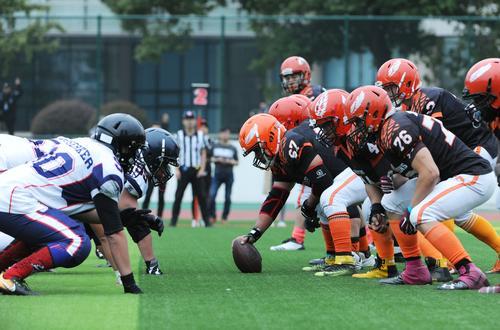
190	148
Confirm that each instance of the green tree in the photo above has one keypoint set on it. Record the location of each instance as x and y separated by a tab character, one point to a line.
160	32
321	39
22	36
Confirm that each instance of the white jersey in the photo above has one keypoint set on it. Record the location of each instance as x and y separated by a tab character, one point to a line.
136	183
66	179
15	151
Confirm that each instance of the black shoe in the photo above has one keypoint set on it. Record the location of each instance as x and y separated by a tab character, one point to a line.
439	270
397	280
153	268
15	286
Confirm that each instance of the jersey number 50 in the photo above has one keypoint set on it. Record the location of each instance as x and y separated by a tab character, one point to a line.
53	166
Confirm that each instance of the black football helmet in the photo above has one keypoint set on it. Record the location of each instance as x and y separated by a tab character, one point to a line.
124	135
160	151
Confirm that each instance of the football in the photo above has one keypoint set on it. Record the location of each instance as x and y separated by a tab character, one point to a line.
246	257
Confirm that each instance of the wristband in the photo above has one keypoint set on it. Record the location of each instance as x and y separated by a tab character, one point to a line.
256	233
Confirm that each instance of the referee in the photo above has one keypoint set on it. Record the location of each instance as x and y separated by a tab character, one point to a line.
193	158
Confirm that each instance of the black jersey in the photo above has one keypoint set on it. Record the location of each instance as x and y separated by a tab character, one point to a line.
297	149
369	164
404	133
443	105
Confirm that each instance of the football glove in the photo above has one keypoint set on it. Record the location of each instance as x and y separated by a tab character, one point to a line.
252	236
130	216
129	285
386	184
378	218
311	221
155	223
405	224
474	115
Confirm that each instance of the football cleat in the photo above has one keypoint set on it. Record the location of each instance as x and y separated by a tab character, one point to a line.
383	268
471	278
358	263
396	280
367	259
344	265
416	273
438	269
496	267
490	289
327	261
317	261
153	268
288	245
15	286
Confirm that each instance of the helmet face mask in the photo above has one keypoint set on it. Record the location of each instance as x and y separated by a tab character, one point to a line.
293	83
394	93
160	152
159	170
326	132
261	158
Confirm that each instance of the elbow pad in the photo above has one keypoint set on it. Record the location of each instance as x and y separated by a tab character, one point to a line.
274	202
320	179
108	212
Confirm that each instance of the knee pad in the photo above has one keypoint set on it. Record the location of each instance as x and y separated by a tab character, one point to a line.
138	231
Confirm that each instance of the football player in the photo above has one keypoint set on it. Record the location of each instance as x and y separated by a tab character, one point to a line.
160	152
295	77
482	87
292	111
448	171
77	172
401	80
16	151
295	157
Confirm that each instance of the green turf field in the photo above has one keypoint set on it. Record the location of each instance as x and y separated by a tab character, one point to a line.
203	289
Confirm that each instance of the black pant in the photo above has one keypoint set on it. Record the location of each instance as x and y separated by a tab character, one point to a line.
219	179
9	118
161	197
188	176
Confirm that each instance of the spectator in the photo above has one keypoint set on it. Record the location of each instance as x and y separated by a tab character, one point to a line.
225	157
193	157
8	101
165	121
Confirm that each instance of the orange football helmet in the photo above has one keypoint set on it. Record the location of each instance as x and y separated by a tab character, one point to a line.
366	108
295	74
261	134
327	114
400	78
290	110
482	86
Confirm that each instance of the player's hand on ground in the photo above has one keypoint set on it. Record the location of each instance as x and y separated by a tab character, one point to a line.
129	285
405	224
378	218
